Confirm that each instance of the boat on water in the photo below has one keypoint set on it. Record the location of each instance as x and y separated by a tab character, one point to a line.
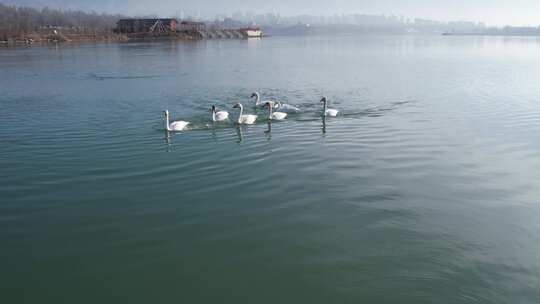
252	32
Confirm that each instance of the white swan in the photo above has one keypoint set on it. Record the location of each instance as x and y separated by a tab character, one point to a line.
258	102
175	125
326	111
244	119
219	115
282	107
274	115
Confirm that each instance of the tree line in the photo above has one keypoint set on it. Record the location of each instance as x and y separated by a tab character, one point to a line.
20	21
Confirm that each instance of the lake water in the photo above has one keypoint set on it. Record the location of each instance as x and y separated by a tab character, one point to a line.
424	190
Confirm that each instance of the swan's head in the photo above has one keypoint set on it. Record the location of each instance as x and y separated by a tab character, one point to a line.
323	100
166	113
213	109
268	104
237	105
254	95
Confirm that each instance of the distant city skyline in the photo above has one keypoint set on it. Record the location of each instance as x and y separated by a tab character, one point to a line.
492	12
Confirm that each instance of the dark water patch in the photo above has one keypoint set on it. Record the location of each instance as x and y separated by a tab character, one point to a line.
103	77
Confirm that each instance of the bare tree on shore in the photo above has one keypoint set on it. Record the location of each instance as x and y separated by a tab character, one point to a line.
17	22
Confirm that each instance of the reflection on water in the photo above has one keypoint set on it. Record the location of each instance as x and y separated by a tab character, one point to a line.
167	139
427	182
268	131
240	133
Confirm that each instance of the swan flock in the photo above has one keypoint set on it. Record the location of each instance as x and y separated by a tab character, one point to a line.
276	111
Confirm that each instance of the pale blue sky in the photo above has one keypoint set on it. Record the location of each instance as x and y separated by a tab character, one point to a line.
494	12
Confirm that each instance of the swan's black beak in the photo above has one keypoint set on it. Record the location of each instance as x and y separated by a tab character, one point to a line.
236	106
213	109
323	99
253	95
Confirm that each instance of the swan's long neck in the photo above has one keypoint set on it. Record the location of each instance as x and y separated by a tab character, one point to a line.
324	108
270	106
240	115
258	99
213	115
167	122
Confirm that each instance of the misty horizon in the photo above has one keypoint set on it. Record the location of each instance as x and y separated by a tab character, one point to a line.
492	13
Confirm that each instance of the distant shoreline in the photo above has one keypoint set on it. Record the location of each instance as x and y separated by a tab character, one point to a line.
36	38
493	34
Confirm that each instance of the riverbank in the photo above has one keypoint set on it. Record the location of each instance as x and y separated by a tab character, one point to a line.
37	37
41	38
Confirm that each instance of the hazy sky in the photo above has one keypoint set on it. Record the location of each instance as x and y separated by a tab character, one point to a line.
494	12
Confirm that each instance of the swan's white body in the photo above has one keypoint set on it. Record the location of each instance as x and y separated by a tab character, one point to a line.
245	119
282	107
219	115
278	116
331	112
326	111
179	125
274	115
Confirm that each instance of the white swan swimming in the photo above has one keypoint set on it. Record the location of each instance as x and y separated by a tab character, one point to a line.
179	125
258	102
219	115
274	115
244	119
282	107
326	111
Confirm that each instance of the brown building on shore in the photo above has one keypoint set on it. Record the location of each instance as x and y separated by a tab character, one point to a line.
189	26
146	25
